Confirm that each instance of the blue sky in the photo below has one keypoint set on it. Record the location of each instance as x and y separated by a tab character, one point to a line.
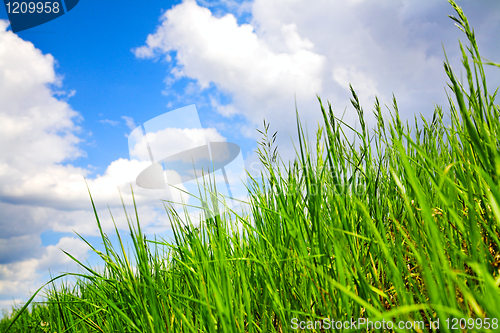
72	89
93	52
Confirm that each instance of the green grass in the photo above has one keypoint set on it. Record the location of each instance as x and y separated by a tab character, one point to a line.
401	223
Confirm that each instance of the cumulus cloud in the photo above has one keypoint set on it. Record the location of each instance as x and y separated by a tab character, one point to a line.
39	128
129	122
109	122
39	133
234	58
18	248
20	277
55	259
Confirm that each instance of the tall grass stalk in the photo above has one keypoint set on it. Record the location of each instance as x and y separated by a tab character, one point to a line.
402	226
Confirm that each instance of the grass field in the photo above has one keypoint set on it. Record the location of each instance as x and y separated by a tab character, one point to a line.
400	224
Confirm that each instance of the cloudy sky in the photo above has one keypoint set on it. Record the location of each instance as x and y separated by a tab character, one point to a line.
73	89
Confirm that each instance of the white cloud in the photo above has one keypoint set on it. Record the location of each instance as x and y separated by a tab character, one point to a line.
39	128
365	86
110	122
20	278
129	122
218	50
38	133
54	258
18	247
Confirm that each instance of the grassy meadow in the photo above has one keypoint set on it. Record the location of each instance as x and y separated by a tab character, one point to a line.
400	224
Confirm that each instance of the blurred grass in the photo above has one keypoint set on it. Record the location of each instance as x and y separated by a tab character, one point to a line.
400	224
